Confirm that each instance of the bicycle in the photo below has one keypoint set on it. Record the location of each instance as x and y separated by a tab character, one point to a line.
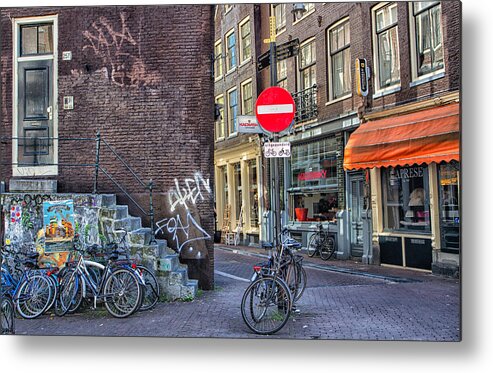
118	287
7	314
321	242
267	302
32	292
151	290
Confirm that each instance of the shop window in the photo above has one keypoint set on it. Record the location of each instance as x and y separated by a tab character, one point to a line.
406	198
449	180
224	192
313	189
339	60
253	190
385	39
428	47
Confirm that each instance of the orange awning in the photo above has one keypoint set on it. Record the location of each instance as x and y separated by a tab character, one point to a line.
426	136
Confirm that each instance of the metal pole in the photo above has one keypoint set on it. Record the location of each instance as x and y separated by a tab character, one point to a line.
151	211
275	163
96	170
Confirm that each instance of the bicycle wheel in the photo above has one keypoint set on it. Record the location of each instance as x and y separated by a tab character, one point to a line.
151	292
7	315
327	249
313	245
54	291
290	277
302	278
122	293
266	305
33	296
67	293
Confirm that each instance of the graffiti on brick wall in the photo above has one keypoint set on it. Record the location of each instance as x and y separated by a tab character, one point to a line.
189	191
119	51
182	227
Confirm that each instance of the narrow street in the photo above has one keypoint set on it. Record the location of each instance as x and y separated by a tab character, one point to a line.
342	301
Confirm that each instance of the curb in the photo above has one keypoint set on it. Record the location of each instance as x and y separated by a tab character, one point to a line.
329	268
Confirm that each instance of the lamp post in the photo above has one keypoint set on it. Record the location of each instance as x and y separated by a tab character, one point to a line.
298	9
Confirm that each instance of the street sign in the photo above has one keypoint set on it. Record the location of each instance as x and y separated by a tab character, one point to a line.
277	150
362	76
283	51
275	109
248	124
287	50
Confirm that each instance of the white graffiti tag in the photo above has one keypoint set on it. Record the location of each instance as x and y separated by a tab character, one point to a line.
189	193
181	232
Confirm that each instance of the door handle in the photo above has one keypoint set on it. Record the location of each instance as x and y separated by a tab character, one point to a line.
49	109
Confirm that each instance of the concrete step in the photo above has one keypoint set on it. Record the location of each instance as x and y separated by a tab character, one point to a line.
141	236
108	200
135	223
116	212
189	291
178	277
169	263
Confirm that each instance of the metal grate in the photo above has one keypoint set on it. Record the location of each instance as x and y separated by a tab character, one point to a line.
306	104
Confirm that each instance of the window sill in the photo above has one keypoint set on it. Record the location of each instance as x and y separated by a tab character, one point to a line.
218	78
427	78
338	99
302	18
245	62
229	72
220	139
234	134
278	33
387	91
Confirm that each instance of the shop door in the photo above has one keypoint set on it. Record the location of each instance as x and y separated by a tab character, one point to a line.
355	209
35	113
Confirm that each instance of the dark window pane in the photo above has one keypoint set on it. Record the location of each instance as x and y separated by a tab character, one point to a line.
29	40
35	91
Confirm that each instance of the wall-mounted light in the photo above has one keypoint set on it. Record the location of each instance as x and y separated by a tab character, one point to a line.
298	10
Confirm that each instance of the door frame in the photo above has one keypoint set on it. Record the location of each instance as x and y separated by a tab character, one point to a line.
359	176
20	171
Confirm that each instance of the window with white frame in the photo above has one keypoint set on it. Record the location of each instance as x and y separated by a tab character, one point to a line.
282	74
386	42
218	59
427	32
220	130
307	65
339	60
246	98
245	40
309	7
231	50
279	11
232	110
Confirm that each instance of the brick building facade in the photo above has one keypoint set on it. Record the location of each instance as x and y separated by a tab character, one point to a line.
413	54
142	77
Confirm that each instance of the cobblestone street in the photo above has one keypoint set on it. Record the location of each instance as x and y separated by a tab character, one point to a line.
342	301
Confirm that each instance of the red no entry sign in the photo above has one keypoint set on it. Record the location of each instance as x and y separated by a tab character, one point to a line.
274	109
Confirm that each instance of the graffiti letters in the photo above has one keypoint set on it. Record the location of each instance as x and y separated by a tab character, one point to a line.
119	52
182	233
189	192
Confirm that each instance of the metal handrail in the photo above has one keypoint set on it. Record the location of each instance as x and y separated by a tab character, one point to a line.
97	167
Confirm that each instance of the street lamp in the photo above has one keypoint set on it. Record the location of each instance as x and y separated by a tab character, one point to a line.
298	9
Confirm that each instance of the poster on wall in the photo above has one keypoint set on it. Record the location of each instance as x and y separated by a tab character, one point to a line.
58	223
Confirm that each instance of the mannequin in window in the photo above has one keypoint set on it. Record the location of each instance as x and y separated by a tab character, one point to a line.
416	205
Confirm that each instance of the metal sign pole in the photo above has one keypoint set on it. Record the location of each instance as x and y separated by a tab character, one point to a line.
275	163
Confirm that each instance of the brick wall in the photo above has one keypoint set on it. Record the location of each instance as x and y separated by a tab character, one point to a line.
142	76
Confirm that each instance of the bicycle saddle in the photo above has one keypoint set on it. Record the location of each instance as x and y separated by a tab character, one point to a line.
267	245
30	263
292	243
93	249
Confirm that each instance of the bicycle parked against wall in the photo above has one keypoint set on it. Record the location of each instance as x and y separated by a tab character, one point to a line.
7	314
276	285
322	242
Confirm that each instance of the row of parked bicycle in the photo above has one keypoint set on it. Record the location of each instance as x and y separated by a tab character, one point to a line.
94	273
277	284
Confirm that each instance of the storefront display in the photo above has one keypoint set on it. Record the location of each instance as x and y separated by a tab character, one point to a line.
448	174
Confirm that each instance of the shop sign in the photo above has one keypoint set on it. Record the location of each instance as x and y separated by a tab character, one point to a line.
248	124
313	175
409	172
277	150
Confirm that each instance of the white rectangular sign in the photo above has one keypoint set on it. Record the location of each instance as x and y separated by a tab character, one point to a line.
277	149
248	124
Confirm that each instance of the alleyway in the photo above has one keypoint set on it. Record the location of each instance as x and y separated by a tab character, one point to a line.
340	302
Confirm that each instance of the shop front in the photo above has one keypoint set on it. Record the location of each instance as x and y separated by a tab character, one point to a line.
414	165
